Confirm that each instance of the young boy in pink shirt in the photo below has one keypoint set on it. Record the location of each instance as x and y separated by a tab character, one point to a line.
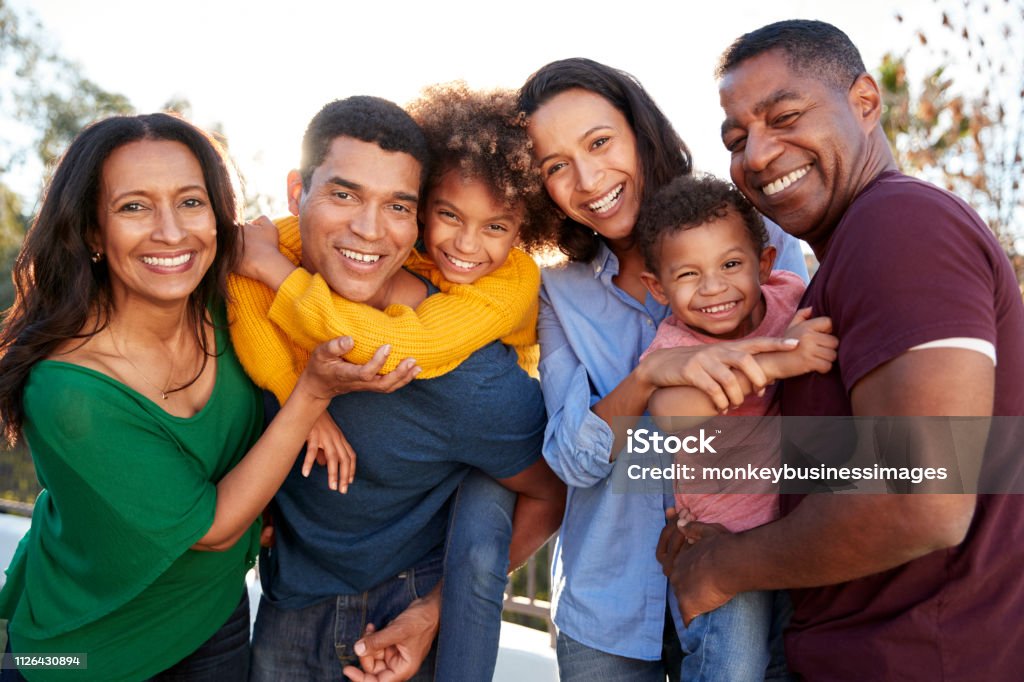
706	252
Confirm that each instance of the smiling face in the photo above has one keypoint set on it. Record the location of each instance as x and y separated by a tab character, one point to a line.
468	234
800	148
711	277
588	157
157	230
357	218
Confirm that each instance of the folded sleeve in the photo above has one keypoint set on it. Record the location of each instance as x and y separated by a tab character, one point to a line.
577	443
440	333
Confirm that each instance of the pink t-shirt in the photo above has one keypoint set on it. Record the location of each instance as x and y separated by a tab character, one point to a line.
739	512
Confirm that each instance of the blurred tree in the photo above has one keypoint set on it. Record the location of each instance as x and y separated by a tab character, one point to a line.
12	228
44	102
968	136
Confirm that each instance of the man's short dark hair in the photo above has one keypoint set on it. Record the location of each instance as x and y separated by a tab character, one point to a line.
812	48
364	118
691	201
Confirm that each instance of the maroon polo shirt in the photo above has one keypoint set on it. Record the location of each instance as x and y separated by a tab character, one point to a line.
910	263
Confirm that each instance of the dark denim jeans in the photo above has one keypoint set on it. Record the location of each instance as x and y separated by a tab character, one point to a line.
475	574
316	642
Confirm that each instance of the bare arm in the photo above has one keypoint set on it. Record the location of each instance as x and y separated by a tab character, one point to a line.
680	407
829	539
539	508
248	487
711	369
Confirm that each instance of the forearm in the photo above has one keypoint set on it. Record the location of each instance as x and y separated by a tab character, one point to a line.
534	522
781	364
440	333
273	271
830	539
249	486
623	405
675	408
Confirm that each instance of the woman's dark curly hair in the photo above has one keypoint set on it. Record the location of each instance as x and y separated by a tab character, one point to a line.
691	201
477	133
662	153
58	289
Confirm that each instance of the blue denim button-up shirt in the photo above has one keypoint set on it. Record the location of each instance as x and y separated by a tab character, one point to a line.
608	590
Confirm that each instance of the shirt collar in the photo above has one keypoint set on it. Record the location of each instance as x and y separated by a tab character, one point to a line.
605	264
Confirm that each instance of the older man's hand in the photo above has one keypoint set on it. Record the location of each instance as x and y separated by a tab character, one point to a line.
686	557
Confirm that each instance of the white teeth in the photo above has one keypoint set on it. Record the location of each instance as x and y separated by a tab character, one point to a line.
719	308
361	257
167	262
464	264
782	183
607	200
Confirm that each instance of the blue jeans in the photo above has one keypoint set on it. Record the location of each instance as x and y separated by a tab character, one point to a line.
475	574
580	663
315	642
740	641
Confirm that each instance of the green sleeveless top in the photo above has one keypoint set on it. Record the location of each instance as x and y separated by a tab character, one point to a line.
105	568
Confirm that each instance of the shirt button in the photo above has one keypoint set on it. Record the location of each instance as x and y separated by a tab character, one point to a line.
597	269
649	322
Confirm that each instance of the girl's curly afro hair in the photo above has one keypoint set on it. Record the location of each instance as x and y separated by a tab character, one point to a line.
479	133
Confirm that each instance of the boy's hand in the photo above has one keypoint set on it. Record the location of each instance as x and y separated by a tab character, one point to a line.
710	368
327	445
261	260
817	348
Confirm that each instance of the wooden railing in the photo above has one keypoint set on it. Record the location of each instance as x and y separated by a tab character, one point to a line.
525	602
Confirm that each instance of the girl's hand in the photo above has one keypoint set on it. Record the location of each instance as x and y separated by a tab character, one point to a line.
261	259
328	446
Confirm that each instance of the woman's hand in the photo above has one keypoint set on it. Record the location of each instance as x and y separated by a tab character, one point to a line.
711	368
328	373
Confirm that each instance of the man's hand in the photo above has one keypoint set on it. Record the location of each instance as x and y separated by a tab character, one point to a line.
328	373
397	652
692	575
670	542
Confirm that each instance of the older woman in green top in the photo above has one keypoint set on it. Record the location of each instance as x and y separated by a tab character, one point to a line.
116	368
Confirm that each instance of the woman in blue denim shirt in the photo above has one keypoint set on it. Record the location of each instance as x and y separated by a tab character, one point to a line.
604	146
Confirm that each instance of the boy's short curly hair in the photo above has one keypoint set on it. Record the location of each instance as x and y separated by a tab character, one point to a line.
691	201
478	133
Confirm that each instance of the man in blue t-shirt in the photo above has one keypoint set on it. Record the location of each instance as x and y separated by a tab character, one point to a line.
373	556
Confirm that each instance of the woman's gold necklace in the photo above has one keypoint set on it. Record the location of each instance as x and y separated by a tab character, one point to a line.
164	392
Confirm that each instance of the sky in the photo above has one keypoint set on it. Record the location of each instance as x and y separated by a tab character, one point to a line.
262	69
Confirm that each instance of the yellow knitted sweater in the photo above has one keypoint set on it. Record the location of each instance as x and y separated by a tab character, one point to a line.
274	334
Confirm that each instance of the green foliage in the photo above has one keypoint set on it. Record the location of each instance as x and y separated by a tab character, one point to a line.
44	103
12	230
48	94
966	135
18	481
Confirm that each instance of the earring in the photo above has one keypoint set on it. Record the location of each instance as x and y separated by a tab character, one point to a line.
96	257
